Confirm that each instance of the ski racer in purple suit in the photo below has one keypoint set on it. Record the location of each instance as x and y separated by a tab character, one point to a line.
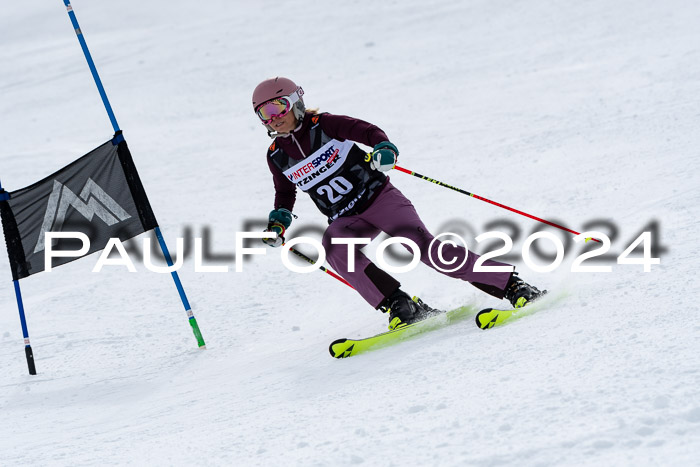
316	152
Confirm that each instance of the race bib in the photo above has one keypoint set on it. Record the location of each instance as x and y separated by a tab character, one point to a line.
320	165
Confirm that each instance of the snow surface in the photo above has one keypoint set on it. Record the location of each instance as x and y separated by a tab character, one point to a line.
572	111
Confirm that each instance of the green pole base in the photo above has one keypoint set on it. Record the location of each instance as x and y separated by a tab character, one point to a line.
197	333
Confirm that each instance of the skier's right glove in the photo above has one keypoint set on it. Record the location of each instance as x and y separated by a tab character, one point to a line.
272	240
278	221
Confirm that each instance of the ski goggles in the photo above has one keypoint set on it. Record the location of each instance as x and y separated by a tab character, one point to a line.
278	107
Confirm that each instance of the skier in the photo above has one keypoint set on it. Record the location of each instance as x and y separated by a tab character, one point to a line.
316	153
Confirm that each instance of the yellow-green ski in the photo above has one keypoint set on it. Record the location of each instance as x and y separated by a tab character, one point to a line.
490	317
343	348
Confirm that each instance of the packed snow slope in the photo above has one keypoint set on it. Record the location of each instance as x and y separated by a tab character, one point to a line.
580	112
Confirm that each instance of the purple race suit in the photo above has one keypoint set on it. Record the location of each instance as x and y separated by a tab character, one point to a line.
320	158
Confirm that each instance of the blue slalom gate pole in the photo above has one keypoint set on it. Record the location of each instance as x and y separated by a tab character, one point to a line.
91	64
180	290
25	332
115	125
22	319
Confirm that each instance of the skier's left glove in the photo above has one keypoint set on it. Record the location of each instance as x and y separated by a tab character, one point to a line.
384	156
278	221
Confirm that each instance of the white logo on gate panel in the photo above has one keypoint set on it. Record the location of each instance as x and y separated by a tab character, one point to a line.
93	201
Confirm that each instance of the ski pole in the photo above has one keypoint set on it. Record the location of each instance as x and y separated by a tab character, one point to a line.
464	192
326	270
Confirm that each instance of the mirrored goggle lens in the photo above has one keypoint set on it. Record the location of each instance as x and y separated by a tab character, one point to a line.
274	108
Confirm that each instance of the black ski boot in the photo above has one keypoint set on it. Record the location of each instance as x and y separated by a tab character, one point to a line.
404	311
519	293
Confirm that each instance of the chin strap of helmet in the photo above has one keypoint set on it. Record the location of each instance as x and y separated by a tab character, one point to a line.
274	134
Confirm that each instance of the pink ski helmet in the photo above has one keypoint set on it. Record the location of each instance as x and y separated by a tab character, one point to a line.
274	88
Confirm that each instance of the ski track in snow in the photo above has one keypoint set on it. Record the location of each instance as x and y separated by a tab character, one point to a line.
571	112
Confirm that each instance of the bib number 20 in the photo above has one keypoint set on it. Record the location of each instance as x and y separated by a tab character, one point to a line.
337	187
